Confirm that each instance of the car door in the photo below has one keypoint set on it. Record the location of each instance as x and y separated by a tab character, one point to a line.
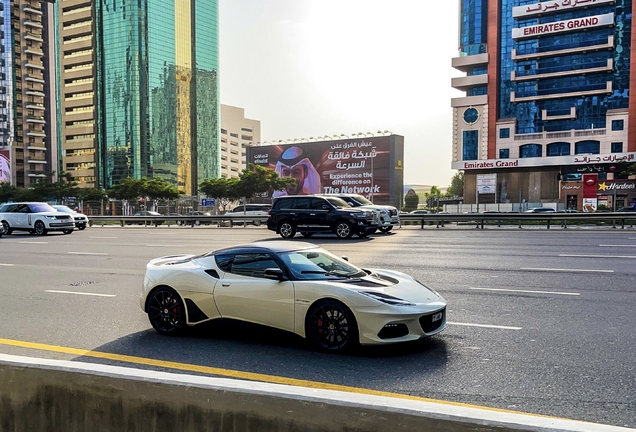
21	217
318	214
244	293
302	209
11	215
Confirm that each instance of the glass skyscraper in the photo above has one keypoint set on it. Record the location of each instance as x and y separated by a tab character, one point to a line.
547	99
148	73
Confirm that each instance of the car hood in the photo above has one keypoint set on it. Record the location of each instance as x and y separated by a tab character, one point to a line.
396	284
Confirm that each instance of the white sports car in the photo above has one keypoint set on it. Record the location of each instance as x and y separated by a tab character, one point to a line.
294	286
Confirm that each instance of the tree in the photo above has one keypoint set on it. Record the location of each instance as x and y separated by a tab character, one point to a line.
411	201
456	187
224	190
128	189
432	196
160	189
259	180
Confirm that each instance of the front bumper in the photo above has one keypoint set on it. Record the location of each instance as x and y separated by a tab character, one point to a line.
58	226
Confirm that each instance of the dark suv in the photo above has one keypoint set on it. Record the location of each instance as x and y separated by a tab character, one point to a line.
309	214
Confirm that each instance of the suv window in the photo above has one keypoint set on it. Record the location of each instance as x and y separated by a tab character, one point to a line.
302	203
318	203
8	208
284	203
338	203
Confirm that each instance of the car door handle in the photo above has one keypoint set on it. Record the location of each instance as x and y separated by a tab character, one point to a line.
312	214
226	284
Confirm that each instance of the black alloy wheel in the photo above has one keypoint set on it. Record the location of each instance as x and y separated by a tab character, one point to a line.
68	231
386	229
331	326
165	311
343	230
5	228
39	228
287	229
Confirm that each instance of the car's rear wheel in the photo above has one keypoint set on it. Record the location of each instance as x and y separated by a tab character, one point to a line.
287	229
39	228
6	228
257	223
166	311
343	230
68	231
386	229
331	326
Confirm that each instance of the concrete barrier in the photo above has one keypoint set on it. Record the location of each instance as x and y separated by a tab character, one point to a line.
55	395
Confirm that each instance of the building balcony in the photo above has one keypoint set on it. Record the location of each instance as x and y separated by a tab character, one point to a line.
34	65
36	161
33	37
35	119
469	101
31	10
469	82
580	93
33	106
467	63
574	49
33	79
34	93
36	133
607	67
34	52
38	174
34	148
35	24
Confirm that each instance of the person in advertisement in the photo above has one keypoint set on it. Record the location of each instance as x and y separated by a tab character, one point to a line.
293	163
5	169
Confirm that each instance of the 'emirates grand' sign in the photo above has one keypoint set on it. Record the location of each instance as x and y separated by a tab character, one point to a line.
563	26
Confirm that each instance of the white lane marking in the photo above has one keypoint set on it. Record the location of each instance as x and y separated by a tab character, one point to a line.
598	256
160	245
566	270
32	242
103	237
623	245
7	265
484	326
86	253
525	291
80	293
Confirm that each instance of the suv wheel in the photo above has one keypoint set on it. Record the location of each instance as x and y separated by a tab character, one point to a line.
287	229
343	230
40	229
6	228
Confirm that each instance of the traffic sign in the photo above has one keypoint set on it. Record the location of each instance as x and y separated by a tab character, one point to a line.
208	202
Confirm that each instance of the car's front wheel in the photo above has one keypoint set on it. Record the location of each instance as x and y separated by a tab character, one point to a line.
287	229
331	326
166	311
343	230
39	228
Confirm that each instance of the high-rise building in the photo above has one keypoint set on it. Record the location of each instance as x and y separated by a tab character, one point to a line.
27	106
237	133
139	87
548	113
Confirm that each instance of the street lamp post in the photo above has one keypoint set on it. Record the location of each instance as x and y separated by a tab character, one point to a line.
372	172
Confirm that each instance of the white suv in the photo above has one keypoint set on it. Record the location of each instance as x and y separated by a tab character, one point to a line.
35	217
249	210
388	216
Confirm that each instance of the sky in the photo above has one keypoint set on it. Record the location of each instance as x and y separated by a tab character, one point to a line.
309	68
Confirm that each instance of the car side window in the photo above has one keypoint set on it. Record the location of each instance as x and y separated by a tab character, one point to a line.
247	264
317	203
302	203
23	208
285	204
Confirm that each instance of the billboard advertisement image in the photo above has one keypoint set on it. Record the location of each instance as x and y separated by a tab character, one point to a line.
372	167
5	166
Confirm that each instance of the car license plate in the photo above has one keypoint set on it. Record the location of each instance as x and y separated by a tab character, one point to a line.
437	317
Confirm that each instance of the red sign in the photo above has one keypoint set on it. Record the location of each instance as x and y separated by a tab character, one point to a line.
589	185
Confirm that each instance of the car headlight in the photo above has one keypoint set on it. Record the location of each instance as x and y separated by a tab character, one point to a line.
428	288
385	298
49	217
360	215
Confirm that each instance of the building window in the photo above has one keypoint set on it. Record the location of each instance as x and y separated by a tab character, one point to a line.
504	133
470	145
617	147
504	153
557	149
530	150
585	147
617	125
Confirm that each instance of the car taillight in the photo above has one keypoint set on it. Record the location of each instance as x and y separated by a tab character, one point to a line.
269	211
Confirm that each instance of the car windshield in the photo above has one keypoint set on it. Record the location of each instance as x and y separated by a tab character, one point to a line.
361	200
317	264
338	203
41	207
63	209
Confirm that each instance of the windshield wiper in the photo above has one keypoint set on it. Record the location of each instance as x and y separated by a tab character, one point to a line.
326	273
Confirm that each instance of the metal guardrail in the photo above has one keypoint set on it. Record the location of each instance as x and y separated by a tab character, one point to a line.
481	220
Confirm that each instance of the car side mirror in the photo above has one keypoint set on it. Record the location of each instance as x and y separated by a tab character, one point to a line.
275	274
346	258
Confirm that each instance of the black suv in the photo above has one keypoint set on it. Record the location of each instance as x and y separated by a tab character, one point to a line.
309	214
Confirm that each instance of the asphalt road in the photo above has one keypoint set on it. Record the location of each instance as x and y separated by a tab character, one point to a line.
539	321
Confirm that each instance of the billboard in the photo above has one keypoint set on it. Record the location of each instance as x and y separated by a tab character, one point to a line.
370	166
5	166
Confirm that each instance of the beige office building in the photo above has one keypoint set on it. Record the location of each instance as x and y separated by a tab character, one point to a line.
27	105
237	133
